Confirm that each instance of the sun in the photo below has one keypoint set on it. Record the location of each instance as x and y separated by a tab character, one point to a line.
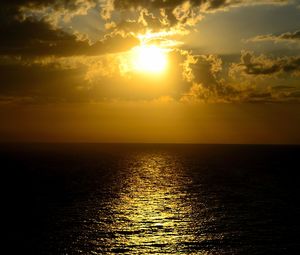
149	59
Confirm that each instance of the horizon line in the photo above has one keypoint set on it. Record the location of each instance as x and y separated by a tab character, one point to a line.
143	143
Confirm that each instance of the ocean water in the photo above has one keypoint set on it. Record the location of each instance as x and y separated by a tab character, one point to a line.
150	199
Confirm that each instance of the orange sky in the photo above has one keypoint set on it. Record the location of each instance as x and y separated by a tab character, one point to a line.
152	122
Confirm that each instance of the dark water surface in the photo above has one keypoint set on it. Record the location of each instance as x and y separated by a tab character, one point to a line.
150	199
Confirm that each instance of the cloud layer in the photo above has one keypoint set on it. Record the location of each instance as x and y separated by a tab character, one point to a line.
44	56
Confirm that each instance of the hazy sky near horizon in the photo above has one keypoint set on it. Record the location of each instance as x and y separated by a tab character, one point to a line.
91	71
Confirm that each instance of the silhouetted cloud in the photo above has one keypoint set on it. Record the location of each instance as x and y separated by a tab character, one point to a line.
286	37
212	81
204	72
31	37
206	5
251	64
169	13
283	87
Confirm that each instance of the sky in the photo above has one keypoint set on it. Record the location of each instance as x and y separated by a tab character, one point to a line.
197	71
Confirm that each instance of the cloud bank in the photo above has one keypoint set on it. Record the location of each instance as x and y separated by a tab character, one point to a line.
44	56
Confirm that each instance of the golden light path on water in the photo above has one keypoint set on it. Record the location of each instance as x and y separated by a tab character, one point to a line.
152	207
152	213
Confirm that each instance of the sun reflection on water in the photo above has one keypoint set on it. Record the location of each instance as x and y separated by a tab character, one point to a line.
151	214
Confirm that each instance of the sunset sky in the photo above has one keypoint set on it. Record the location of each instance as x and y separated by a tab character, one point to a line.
198	71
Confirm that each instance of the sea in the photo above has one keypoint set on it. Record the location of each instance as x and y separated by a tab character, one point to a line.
150	199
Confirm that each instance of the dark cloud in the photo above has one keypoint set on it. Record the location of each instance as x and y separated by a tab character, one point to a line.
255	67
258	97
207	84
36	36
42	83
287	37
56	4
295	94
283	87
211	80
39	38
171	13
25	44
11	9
290	36
206	4
261	65
290	65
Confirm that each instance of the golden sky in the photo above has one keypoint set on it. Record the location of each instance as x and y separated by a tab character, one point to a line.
198	71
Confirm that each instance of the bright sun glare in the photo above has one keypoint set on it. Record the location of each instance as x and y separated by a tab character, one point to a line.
149	59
